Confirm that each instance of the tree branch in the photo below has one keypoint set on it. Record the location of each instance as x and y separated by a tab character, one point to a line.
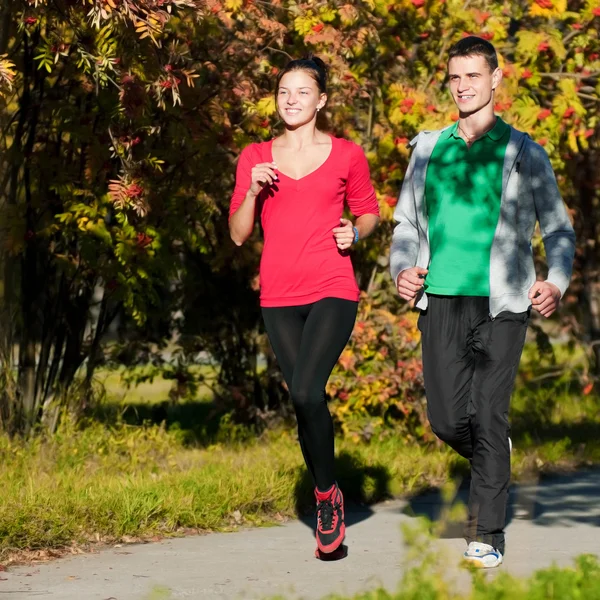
440	57
559	76
277	50
588	97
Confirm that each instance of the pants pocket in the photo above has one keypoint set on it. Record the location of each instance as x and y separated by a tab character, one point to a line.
520	317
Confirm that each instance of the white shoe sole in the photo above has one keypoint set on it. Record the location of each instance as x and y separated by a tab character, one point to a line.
489	561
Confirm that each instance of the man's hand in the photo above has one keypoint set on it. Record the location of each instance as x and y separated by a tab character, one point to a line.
410	282
344	234
544	297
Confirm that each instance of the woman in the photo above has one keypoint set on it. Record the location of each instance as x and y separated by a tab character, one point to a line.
298	183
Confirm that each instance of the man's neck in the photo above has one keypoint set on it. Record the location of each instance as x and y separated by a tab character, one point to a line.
477	124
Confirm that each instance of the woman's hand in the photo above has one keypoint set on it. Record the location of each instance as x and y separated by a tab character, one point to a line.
344	234
262	174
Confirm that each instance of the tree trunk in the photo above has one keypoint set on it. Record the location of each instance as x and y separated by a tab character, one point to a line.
5	24
587	181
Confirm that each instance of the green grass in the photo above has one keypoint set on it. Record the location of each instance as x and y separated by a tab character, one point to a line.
107	483
150	390
580	582
153	391
163	469
124	482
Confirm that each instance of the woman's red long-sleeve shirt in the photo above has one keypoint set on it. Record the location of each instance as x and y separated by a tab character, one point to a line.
301	263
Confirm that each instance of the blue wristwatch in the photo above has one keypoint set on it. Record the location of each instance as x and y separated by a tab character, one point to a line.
355	235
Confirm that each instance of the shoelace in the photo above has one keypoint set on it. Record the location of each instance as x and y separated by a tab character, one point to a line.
325	514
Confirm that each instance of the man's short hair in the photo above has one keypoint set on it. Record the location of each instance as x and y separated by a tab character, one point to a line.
475	46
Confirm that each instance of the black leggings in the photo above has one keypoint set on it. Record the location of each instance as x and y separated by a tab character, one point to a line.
307	341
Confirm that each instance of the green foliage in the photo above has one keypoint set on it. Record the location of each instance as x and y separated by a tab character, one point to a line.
430	580
122	120
428	576
7	75
580	582
378	380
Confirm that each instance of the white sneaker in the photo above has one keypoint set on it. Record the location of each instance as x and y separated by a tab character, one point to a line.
510	445
482	556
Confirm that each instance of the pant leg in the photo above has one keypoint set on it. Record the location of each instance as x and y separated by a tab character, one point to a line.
325	332
285	326
498	345
448	366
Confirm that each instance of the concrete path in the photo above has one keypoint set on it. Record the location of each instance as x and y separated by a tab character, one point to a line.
551	522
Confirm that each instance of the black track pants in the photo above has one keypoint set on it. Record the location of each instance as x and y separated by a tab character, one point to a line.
470	362
307	341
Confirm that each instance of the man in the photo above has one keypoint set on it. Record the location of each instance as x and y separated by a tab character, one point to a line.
462	247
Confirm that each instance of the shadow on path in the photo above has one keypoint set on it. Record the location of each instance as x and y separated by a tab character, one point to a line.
552	500
361	485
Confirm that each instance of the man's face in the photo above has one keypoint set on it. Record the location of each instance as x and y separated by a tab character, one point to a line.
472	83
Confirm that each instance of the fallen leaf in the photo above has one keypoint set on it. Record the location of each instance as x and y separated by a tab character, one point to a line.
128	539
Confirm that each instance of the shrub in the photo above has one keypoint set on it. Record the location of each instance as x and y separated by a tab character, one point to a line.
378	380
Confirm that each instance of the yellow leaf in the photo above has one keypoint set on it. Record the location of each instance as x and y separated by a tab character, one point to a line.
233	5
266	106
572	141
303	25
548	9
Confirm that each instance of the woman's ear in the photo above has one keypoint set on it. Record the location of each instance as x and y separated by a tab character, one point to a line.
322	101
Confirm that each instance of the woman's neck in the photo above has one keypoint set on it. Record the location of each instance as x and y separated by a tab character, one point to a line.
305	135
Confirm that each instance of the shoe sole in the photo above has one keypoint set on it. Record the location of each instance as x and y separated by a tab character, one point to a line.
477	563
340	552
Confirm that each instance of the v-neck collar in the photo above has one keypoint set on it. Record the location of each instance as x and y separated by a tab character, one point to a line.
331	151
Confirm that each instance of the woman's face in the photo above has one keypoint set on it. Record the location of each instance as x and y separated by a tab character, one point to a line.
298	98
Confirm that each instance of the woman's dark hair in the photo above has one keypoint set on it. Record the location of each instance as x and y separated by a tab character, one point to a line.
475	46
313	65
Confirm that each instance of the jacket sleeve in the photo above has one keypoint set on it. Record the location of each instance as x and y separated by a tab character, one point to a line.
556	229
405	240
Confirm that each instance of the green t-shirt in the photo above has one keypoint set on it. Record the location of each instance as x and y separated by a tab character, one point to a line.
463	189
